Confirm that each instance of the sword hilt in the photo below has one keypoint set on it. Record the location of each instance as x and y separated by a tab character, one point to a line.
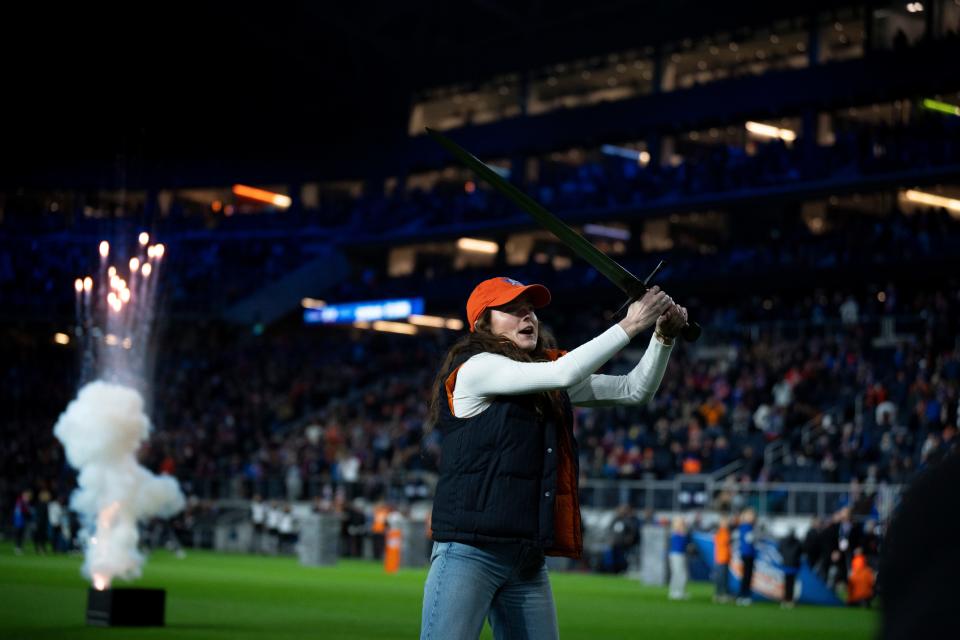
690	332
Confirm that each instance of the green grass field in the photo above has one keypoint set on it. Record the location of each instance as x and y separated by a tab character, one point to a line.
229	596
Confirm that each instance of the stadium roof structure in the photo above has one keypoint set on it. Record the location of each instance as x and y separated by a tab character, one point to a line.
108	95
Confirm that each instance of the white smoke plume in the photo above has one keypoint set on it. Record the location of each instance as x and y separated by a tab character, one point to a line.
101	431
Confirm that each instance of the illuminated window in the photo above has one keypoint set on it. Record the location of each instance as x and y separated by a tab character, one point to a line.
461	105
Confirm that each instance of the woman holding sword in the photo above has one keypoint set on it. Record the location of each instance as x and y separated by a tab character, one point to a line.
508	489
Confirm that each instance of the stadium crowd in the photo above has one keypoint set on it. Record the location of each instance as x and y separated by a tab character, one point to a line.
237	413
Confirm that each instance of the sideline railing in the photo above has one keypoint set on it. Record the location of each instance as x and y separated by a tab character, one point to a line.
703	492
681	493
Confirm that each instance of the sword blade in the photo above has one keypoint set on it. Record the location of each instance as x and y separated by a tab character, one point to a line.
603	263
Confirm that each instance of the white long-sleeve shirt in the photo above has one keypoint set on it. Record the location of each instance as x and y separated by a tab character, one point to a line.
487	375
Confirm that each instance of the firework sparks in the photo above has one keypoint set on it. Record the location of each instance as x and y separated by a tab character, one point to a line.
103	427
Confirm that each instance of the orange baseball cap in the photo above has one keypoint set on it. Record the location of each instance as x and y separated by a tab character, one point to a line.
497	291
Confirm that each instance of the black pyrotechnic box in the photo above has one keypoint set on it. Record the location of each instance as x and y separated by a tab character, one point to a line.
126	607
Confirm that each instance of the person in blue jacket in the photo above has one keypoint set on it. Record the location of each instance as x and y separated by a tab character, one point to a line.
748	553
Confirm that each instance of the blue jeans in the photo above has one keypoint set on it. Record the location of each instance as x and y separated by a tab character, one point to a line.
507	582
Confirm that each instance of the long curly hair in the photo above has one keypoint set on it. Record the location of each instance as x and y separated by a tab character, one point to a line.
483	340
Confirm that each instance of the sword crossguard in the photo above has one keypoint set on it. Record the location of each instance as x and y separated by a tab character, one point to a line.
656	270
690	331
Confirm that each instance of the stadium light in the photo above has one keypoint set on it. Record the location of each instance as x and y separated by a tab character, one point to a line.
641	157
387	326
942	107
477	246
367	311
769	131
261	195
437	322
933	200
427	321
395	327
312	303
604	231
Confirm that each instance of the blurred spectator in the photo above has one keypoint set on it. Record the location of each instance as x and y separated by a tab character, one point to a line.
68	526
813	548
55	515
294	482
861	581
274	513
22	519
258	517
721	561
286	530
841	538
626	536
378	528
748	553
41	529
679	539
790	551
352	527
918	573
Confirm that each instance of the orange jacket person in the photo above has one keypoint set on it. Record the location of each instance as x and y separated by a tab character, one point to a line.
721	561
860	582
378	528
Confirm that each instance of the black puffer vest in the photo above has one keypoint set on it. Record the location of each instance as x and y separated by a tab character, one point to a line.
498	472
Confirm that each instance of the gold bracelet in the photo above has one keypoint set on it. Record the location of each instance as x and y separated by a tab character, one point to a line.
664	340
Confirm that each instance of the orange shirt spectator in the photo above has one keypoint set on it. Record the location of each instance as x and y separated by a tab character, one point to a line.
861	581
721	545
712	411
692	465
380	519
